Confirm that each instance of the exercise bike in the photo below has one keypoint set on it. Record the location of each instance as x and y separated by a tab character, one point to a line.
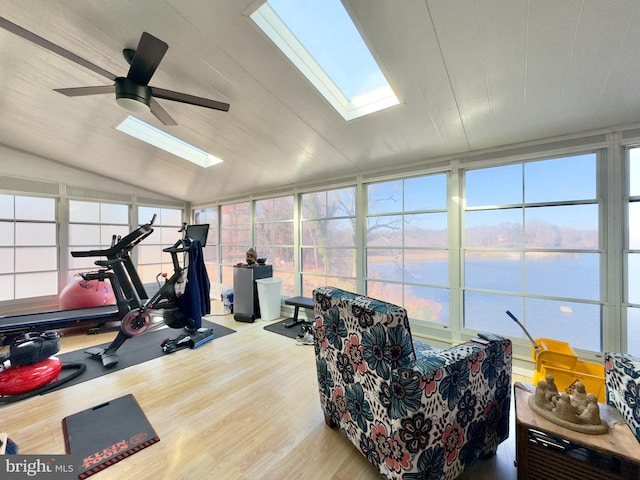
165	303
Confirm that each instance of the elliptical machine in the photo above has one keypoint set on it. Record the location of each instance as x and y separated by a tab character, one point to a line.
165	302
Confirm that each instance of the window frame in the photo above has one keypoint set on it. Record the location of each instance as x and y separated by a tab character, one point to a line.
426	309
329	277
525	296
12	276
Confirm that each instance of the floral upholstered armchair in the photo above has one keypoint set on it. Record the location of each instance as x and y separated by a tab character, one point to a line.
622	384
412	411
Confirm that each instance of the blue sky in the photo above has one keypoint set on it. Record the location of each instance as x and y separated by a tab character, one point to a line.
329	35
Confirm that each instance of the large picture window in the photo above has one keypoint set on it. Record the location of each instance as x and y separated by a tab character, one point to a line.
552	237
28	247
532	246
235	237
328	239
93	226
632	253
275	238
210	216
407	253
152	261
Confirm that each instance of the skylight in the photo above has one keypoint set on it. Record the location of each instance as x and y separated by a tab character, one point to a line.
324	44
156	137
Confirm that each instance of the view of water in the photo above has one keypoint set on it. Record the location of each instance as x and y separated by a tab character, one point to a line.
573	277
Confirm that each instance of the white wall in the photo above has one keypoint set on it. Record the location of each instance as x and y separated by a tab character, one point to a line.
23	165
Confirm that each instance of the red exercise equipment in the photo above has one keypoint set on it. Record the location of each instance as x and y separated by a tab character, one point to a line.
81	293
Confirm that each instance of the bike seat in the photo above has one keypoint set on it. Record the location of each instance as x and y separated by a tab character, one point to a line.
108	263
175	249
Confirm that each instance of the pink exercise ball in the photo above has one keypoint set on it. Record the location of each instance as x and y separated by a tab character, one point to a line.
81	293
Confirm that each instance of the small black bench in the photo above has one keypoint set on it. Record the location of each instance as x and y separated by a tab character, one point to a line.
297	302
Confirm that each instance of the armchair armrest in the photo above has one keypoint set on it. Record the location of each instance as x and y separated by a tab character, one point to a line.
492	358
462	392
622	384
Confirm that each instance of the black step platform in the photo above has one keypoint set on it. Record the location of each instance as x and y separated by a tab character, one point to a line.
297	302
105	434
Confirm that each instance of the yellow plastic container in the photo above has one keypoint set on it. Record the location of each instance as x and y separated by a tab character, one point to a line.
558	359
554	351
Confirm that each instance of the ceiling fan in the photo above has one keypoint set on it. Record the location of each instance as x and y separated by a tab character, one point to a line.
133	92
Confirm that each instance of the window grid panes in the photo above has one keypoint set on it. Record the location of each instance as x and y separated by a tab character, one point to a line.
407	257
235	237
328	239
94	226
275	238
210	216
532	246
151	260
28	247
632	253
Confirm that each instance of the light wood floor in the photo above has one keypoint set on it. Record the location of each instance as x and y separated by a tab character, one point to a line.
244	406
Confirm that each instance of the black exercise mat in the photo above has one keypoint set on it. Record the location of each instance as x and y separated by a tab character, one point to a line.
134	351
278	327
107	433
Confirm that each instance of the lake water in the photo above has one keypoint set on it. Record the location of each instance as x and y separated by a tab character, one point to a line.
571	276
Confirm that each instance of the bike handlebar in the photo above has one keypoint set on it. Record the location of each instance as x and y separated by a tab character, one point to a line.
123	245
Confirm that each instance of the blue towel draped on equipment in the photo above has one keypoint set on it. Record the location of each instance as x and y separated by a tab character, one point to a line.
195	302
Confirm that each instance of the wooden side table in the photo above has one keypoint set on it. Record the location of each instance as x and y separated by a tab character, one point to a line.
545	450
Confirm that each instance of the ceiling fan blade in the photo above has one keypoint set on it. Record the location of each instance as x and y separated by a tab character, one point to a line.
161	114
52	47
81	91
190	99
146	59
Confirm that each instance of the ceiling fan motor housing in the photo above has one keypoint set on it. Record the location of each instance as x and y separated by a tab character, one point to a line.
132	96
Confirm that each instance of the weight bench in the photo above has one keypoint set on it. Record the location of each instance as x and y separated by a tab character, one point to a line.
297	302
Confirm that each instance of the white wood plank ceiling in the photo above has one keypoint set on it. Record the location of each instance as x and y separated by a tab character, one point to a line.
470	75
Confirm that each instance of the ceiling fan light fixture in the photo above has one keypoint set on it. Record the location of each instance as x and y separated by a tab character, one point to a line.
132	96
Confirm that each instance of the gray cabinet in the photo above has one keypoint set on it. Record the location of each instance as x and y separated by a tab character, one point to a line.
246	307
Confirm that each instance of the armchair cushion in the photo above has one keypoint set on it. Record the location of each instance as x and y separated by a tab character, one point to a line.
622	384
413	411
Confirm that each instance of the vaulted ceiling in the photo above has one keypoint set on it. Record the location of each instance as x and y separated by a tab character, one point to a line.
469	74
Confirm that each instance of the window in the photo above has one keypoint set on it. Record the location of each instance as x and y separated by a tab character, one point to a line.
532	246
235	237
28	247
210	216
632	254
154	136
407	245
328	240
274	238
320	39
152	261
93	226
